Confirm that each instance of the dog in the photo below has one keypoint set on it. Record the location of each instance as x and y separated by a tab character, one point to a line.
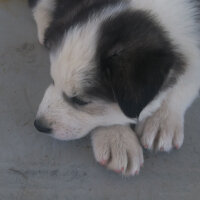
116	63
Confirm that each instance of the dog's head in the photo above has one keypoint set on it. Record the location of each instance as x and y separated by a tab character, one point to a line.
104	74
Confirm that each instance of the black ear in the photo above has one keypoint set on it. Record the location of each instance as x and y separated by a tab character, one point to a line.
137	76
135	58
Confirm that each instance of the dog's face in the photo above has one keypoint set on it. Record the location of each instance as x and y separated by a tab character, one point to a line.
104	76
74	117
67	110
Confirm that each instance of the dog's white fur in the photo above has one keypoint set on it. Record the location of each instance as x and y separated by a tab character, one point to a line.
120	146
42	14
71	123
72	63
71	68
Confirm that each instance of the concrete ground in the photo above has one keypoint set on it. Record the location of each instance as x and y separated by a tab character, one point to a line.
36	167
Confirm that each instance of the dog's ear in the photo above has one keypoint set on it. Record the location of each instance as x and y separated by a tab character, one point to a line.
135	60
136	77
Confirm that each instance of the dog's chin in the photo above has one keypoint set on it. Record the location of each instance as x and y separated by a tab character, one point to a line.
67	136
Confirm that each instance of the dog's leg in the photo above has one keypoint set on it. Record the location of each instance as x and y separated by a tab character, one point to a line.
42	13
117	147
164	129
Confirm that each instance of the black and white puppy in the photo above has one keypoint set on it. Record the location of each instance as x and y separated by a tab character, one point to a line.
116	62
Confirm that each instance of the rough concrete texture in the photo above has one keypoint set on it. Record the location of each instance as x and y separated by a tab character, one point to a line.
36	167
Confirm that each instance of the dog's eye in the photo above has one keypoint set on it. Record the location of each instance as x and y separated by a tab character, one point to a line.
79	101
75	100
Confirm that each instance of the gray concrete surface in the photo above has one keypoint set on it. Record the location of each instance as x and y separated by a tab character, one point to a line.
36	167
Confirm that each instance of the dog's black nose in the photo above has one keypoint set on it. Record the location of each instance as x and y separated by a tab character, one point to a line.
40	126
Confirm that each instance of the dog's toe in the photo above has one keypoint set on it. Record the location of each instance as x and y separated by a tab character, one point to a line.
162	131
118	149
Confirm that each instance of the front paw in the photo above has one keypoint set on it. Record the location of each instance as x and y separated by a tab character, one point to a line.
162	131
118	149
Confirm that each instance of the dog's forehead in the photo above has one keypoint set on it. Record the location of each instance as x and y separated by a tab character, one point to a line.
73	62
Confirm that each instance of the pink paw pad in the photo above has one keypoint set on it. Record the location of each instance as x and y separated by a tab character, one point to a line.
162	149
137	172
177	146
103	162
119	170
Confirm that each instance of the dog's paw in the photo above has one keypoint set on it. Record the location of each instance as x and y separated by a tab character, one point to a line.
118	149
162	131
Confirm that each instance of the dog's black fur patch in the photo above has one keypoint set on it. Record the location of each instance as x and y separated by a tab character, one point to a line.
134	58
69	13
32	3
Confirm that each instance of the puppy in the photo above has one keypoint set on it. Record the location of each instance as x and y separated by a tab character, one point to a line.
117	62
